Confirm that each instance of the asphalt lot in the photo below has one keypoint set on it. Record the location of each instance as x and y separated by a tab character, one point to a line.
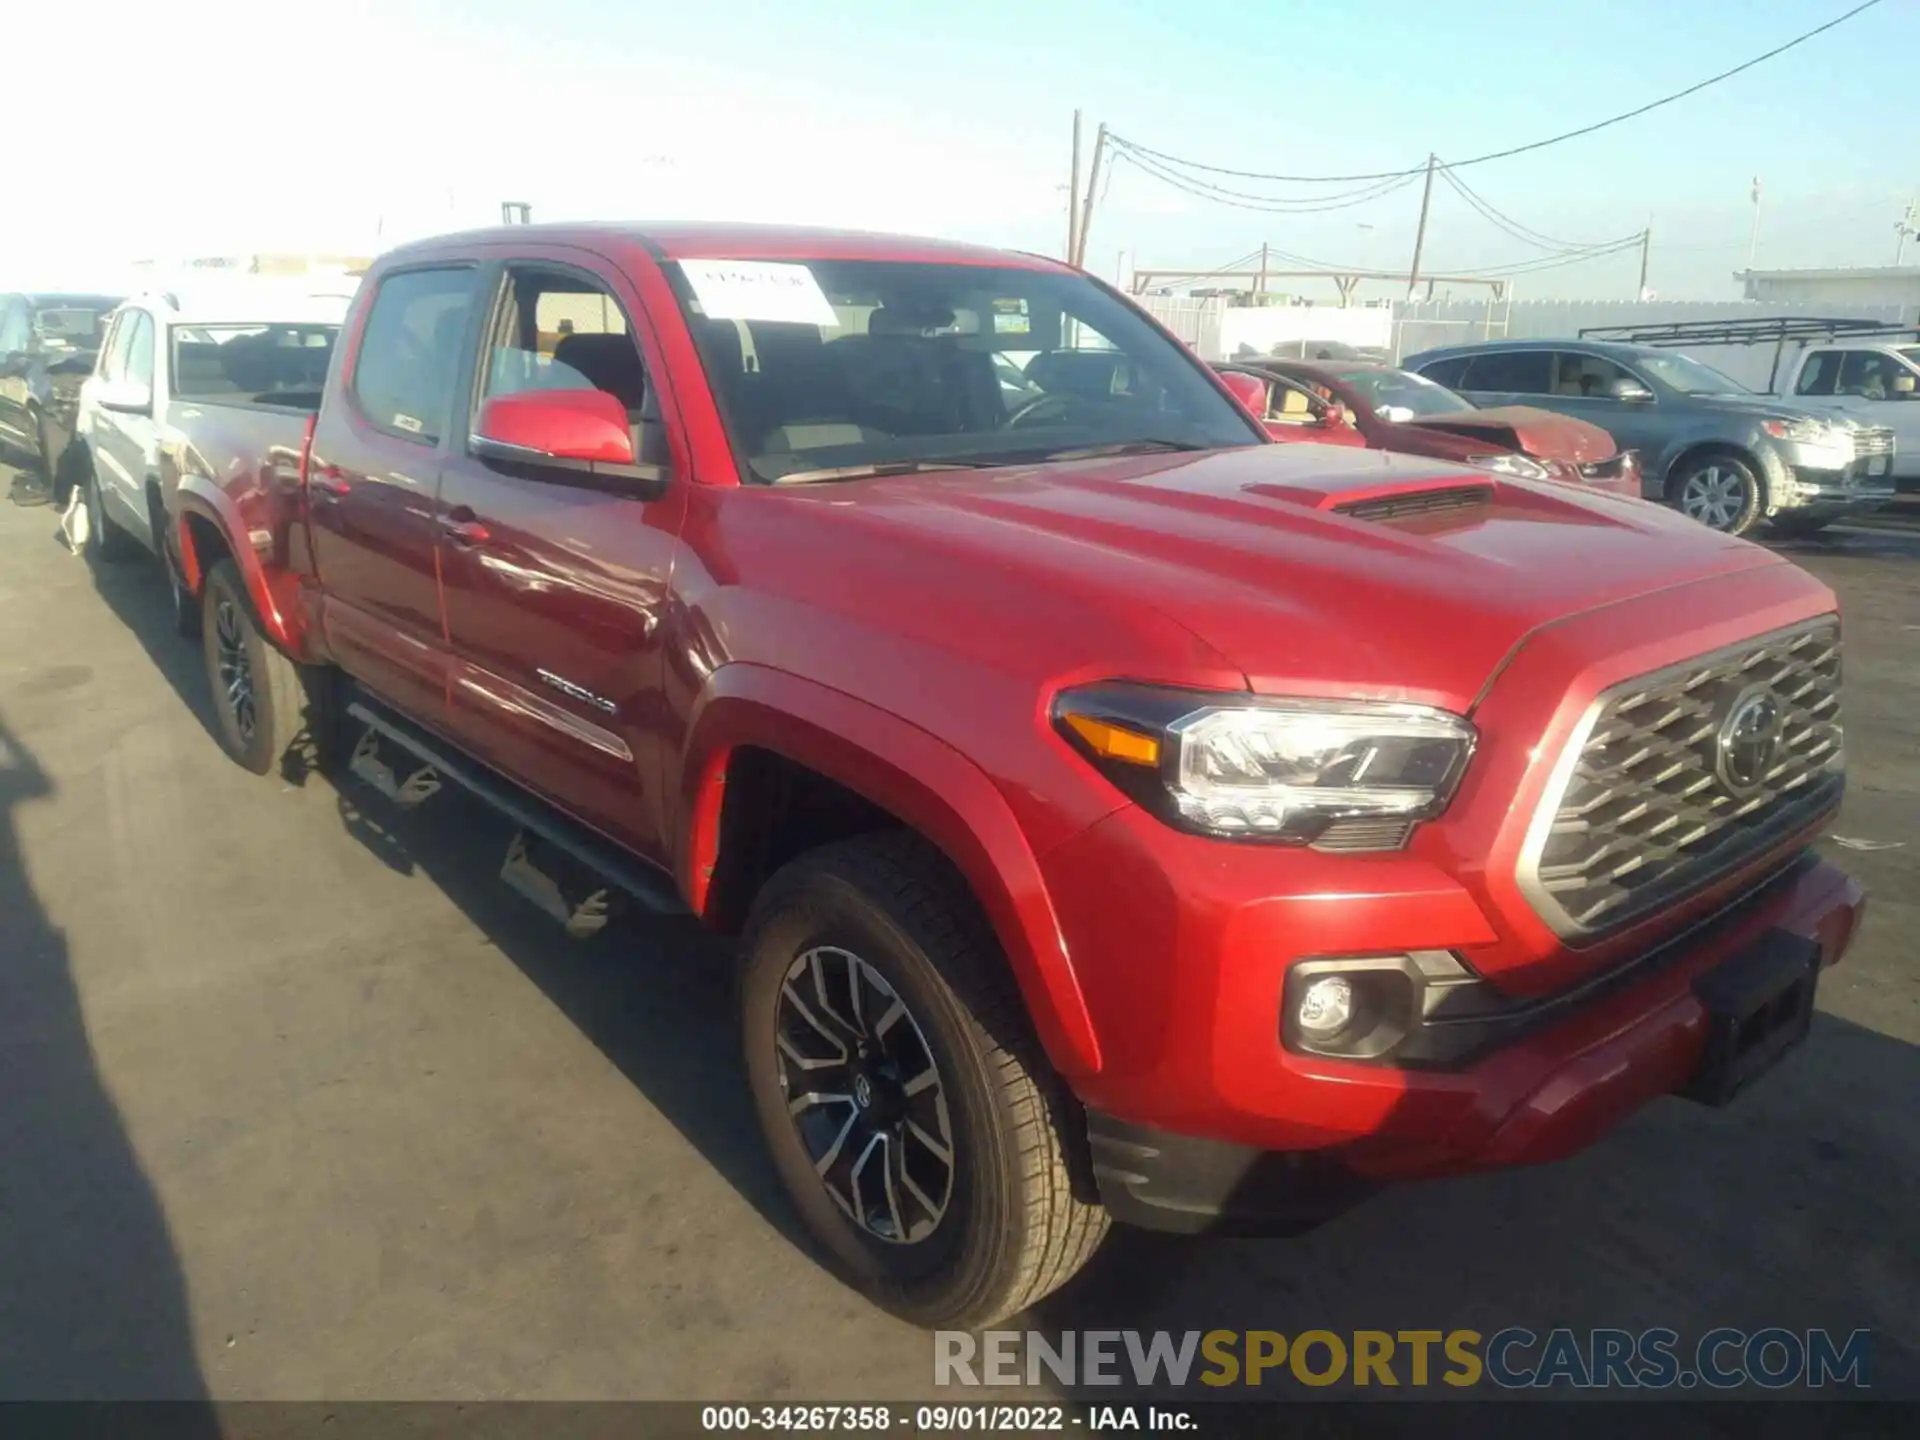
297	1102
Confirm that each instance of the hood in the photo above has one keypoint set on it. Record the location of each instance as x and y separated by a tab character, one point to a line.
1539	433
1309	569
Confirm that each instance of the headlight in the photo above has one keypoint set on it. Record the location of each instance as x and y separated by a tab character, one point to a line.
1244	767
1507	463
1809	431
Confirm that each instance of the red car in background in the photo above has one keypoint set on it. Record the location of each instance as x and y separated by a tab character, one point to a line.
1357	402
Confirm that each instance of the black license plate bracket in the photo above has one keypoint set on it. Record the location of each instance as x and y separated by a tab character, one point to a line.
1759	1005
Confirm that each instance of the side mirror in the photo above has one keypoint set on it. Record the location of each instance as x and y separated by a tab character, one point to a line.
1628	390
129	397
1249	390
588	427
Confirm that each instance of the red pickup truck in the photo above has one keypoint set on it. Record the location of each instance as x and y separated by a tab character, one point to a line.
1122	816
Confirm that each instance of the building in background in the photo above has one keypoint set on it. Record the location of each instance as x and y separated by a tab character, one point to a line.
273	265
1872	285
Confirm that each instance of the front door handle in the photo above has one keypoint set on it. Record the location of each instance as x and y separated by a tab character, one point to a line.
330	481
463	527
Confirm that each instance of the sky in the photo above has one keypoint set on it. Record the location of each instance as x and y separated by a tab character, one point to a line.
224	127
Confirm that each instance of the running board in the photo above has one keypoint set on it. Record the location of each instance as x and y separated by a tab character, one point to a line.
648	887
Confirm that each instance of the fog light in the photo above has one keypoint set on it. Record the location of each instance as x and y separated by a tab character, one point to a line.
1326	1007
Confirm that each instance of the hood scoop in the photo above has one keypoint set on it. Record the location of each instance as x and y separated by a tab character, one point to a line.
1443	500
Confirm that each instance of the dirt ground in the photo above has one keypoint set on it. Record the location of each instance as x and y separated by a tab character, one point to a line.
296	1101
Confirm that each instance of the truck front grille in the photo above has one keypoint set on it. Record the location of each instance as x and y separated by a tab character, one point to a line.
1873	442
1678	778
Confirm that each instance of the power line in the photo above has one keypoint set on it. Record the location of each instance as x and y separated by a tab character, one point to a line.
1241	200
1513	150
1526	234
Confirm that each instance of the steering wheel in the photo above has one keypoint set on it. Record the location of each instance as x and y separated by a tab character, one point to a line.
1058	400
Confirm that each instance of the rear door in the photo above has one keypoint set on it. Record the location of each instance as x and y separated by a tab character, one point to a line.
1507	377
373	478
556	581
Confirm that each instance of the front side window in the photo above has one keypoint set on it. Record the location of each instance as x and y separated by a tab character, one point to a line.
557	330
113	356
1868	374
250	363
1588	377
1511	372
139	358
409	357
849	365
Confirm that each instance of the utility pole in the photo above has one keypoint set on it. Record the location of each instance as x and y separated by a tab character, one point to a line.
1753	241
1420	235
1079	259
1260	284
1646	249
1073	195
1903	228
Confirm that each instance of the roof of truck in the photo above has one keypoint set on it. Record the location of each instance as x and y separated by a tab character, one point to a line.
313	303
728	241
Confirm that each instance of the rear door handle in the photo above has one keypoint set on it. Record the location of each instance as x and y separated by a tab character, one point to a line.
463	527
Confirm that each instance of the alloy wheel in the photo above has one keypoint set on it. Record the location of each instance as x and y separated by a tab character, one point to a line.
865	1095
236	670
1716	496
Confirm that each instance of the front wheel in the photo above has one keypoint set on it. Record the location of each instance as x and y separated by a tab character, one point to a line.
1721	492
102	539
257	693
919	1132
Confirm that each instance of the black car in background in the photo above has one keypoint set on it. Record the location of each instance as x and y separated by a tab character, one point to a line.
47	348
1708	446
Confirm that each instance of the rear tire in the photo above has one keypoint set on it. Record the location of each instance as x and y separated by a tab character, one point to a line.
257	693
1721	491
997	1225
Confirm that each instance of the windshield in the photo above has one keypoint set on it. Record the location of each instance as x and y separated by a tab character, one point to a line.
1689	376
846	365
1399	395
250	362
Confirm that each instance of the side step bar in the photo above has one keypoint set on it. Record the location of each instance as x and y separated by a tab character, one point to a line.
650	888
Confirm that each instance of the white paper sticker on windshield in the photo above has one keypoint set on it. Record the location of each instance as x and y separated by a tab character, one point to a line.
1010	318
758	290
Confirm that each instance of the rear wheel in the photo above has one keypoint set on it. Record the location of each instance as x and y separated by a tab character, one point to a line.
256	690
1721	491
917	1128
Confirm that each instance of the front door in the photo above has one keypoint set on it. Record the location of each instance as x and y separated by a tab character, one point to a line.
1877	388
372	479
1583	388
554	582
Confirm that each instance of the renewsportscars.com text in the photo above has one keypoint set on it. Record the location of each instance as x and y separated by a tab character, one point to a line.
1515	1358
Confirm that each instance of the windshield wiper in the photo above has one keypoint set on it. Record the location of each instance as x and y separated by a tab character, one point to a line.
1144	446
878	467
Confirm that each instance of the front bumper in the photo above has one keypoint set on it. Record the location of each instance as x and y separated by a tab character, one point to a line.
1819	480
1552	1075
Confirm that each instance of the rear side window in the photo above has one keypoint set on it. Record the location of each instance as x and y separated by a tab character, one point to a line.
1519	372
1819	373
409	357
1447	372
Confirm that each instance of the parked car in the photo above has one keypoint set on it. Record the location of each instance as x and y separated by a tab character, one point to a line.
1708	446
1391	409
1877	383
47	346
1122	817
1290	410
218	389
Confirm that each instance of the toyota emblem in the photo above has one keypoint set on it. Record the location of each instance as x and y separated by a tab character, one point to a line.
862	1092
1748	738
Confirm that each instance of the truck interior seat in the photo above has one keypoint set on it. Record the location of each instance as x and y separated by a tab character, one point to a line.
611	362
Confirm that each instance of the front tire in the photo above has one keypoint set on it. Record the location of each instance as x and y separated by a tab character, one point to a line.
929	1150
1721	491
256	690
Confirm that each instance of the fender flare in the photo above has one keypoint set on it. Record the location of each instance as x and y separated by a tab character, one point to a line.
914	776
197	495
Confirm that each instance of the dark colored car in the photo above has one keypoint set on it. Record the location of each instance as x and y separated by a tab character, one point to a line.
47	348
1120	816
1394	409
1708	446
